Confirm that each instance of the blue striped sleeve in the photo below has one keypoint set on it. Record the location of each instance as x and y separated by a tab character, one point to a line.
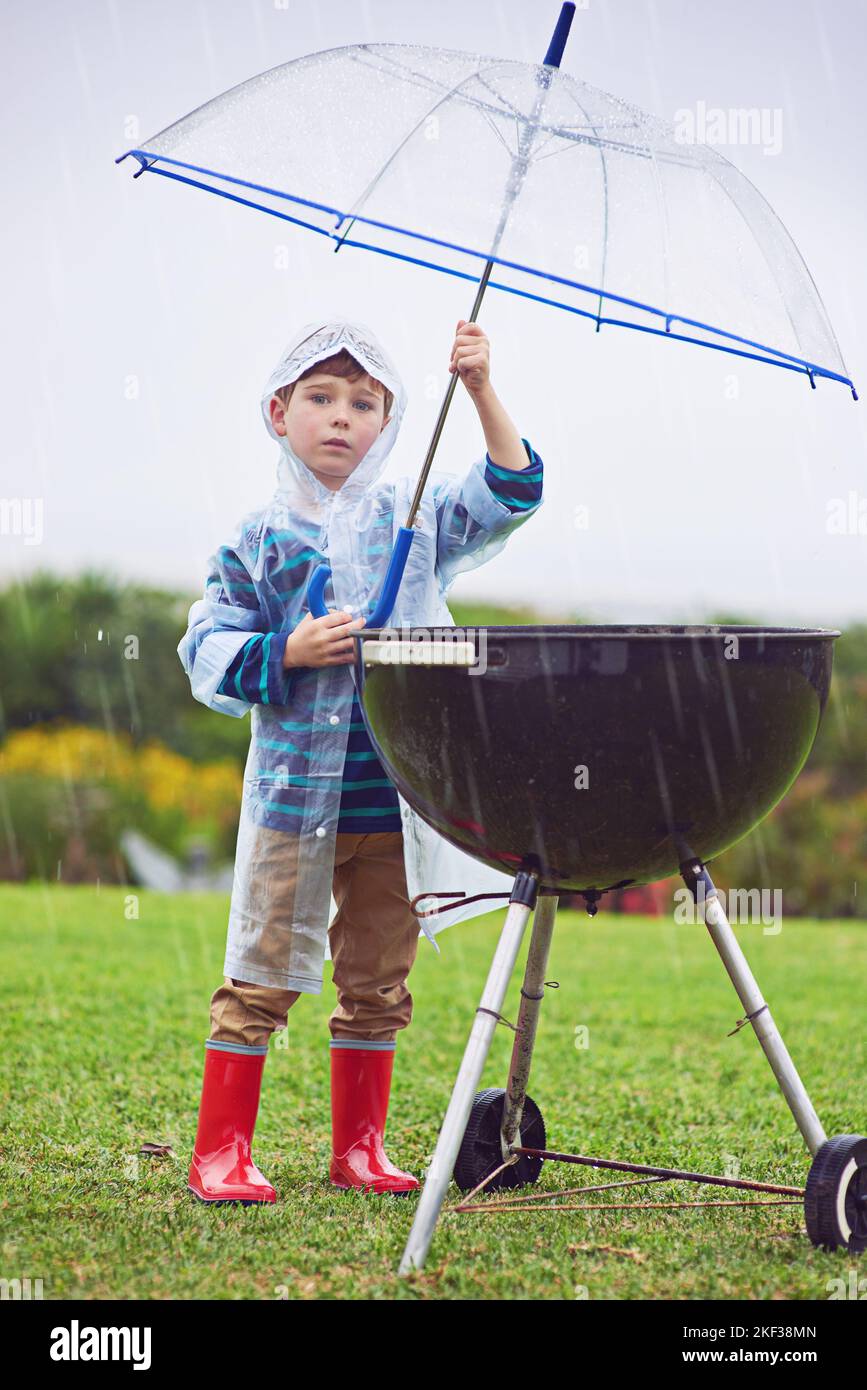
257	674
518	489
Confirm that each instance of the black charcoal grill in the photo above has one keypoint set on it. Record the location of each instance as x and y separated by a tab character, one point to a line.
582	759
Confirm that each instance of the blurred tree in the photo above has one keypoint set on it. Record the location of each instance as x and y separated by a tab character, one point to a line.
94	651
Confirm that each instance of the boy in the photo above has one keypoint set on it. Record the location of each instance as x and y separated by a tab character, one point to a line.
319	813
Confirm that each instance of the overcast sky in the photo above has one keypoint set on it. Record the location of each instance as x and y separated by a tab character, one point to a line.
695	502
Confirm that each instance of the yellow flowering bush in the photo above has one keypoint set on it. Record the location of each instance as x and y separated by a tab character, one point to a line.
72	752
70	790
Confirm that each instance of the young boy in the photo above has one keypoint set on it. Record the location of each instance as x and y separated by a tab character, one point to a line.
319	815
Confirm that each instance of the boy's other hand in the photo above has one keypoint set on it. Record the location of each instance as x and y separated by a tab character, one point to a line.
322	641
471	357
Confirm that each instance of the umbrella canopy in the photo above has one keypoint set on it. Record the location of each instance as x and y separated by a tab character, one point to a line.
452	160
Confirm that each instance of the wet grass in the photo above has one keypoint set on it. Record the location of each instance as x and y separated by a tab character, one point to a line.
102	1023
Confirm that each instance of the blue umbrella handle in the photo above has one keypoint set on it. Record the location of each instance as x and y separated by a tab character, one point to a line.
394	574
316	590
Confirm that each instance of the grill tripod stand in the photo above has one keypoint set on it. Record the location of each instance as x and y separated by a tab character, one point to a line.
835	1197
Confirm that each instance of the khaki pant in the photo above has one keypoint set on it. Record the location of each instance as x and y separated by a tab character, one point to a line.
373	939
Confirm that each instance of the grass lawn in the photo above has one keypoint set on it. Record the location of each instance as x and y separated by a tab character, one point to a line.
102	1025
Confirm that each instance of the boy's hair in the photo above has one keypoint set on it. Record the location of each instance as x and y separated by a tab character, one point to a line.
342	364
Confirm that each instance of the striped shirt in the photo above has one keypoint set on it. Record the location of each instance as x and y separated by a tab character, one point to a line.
368	800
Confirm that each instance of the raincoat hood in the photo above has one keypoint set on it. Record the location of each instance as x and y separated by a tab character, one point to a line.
297	486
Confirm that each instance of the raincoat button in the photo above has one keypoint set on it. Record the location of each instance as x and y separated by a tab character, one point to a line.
333	719
320	832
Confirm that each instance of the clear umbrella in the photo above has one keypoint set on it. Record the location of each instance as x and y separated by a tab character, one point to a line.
515	176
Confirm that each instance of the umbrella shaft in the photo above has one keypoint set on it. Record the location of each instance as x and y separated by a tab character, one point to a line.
444	408
517	174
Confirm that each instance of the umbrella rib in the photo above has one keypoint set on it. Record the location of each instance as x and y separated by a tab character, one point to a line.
353	211
556	135
428	84
663	210
714	175
516	112
604	265
502	141
425	79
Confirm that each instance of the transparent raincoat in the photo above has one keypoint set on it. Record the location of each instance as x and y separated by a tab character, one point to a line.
257	585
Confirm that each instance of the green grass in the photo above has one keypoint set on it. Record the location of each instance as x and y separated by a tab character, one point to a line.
102	1025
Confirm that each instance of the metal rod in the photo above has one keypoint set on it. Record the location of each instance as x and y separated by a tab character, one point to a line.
511	1201
620	1167
475	1055
701	885
444	408
532	993
626	1206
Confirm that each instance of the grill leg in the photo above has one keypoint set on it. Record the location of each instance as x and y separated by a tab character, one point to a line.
735	962
475	1055
532	993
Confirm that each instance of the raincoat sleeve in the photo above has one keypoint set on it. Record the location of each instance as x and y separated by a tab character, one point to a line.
230	652
477	514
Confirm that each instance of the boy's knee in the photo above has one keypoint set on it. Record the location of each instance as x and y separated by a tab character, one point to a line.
246	1013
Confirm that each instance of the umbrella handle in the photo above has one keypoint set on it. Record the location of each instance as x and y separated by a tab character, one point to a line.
382	612
316	590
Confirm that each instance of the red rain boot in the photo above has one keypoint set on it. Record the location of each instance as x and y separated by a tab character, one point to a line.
360	1086
222	1169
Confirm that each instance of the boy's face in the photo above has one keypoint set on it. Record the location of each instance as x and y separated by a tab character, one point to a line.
326	408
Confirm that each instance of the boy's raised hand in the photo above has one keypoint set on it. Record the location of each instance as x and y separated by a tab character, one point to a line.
471	357
322	641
